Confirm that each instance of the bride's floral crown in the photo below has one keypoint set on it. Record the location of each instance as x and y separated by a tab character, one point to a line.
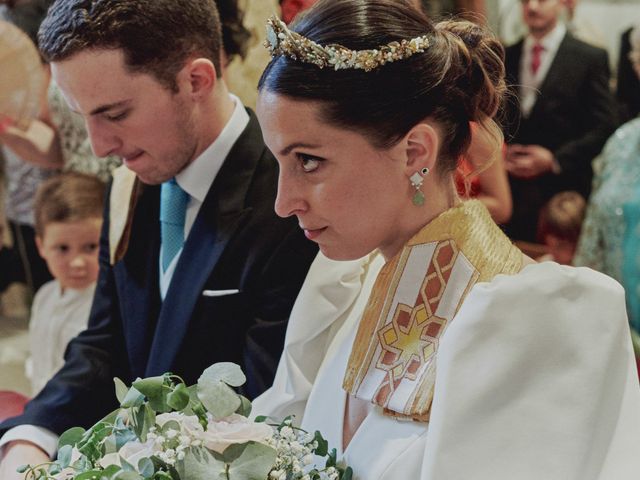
282	41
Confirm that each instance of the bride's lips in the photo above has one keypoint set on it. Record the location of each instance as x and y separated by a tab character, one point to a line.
313	233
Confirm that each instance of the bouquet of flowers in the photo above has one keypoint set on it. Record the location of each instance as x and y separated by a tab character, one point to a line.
165	430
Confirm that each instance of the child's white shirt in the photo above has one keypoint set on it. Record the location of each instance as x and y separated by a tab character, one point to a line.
56	318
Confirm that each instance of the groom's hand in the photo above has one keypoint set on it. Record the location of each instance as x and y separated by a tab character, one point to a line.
18	453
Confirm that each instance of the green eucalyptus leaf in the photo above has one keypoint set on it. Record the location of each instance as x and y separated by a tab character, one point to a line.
126	466
200	464
133	398
233	451
159	403
121	389
123	436
150	387
218	398
147	418
323	445
170	425
138	414
111	470
347	475
226	372
23	468
193	400
64	456
178	399
55	468
214	391
332	458
88	475
71	437
128	475
245	407
82	464
146	467
110	444
254	463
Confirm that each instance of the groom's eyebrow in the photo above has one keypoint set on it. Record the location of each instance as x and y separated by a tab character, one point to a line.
288	148
111	106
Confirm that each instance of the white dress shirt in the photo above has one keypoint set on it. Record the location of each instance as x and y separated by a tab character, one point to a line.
198	177
529	82
196	180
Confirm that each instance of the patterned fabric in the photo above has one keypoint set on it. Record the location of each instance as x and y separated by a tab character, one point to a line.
23	180
74	140
173	208
417	294
610	239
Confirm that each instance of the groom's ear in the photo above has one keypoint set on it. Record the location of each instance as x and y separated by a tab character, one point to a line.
200	77
421	147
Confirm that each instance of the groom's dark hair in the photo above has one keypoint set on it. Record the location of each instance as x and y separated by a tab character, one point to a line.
156	36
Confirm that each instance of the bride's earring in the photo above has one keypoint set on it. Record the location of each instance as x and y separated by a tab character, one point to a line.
416	181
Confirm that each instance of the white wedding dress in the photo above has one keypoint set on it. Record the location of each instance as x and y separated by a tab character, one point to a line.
535	380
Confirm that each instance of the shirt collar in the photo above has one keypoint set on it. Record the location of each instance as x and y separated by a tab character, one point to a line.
198	176
551	41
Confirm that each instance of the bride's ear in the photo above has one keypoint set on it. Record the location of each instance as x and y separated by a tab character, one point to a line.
421	148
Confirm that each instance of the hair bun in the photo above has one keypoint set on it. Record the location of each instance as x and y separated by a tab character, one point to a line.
478	56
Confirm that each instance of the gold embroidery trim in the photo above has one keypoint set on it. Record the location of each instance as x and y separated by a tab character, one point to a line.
471	231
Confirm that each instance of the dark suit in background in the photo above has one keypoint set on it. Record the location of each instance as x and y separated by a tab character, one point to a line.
573	116
236	243
628	86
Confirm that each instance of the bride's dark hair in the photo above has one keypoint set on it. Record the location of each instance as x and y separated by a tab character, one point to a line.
459	78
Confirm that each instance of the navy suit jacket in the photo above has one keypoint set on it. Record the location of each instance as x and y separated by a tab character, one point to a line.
573	116
236	242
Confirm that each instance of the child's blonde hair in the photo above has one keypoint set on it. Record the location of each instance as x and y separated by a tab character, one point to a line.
562	217
68	197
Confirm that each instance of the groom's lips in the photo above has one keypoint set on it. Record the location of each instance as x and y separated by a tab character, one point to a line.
127	159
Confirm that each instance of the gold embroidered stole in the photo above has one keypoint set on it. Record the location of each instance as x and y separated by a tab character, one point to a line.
416	295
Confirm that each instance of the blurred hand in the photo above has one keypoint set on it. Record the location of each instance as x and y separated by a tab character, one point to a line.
18	453
528	161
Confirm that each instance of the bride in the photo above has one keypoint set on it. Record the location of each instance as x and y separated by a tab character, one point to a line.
446	353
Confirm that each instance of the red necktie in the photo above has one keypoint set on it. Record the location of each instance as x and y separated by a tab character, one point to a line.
536	59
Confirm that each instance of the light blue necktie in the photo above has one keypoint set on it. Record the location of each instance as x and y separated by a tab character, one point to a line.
173	208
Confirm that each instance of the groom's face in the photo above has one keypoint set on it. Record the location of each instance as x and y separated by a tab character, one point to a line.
129	115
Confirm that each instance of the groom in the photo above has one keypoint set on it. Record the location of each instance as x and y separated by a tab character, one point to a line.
195	267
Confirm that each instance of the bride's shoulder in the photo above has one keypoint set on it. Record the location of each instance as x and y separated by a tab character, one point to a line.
548	288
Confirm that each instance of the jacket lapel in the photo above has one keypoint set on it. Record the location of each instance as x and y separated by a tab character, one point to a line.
555	74
220	215
137	279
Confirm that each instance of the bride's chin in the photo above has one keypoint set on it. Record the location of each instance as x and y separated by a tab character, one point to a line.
342	254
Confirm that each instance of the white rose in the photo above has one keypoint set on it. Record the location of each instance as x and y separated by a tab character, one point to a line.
189	424
134	451
232	430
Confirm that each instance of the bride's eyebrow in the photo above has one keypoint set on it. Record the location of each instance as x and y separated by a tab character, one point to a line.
287	150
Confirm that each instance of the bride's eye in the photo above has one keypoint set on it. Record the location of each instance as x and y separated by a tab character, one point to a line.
308	163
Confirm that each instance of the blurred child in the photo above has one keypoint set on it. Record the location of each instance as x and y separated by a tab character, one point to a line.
559	226
68	220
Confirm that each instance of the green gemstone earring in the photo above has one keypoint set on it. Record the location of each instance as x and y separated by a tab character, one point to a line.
416	181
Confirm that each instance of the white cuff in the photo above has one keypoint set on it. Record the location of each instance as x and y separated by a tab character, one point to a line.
41	437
